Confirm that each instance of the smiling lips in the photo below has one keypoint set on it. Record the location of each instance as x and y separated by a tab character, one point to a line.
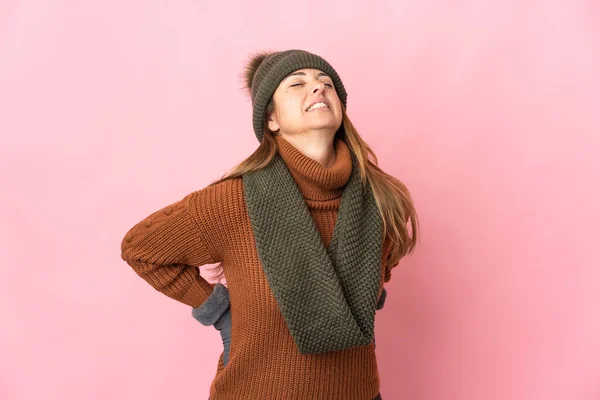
317	106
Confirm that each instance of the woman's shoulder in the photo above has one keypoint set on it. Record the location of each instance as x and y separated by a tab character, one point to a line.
219	211
222	197
226	187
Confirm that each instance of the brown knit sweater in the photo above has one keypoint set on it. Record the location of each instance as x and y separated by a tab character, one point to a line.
211	225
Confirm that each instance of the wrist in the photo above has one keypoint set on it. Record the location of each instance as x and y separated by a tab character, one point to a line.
214	307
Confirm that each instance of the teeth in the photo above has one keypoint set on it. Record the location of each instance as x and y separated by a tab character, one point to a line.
317	105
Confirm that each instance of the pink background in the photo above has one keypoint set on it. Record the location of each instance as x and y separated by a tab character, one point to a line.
489	111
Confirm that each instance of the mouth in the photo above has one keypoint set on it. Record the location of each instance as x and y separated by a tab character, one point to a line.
318	106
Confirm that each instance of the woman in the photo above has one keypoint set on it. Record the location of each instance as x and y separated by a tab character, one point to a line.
297	315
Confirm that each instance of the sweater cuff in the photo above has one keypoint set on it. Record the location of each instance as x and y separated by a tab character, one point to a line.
215	305
381	300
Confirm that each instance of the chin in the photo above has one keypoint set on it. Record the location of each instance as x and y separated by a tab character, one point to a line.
329	123
331	127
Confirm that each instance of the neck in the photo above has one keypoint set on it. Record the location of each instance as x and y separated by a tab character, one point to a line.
315	145
315	181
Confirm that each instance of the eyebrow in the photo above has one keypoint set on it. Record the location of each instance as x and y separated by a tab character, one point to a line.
304	74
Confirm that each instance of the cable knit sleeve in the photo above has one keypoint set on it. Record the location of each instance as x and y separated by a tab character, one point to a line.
166	249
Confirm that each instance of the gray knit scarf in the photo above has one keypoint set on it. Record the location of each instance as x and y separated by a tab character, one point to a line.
327	295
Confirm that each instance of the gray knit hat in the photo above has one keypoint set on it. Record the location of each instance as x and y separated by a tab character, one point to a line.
273	69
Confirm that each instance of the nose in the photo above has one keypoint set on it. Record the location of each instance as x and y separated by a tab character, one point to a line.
318	87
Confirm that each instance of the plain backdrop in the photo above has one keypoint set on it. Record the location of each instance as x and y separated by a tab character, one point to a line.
488	111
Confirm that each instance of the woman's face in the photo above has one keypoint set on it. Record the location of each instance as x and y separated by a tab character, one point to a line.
294	97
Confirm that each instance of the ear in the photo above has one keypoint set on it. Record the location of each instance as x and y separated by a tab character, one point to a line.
273	124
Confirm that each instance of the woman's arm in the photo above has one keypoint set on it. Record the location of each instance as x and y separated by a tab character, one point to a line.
166	248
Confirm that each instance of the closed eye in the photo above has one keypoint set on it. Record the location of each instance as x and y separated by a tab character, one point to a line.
300	84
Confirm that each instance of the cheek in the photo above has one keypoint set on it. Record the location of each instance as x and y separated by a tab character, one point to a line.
334	99
337	101
293	106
